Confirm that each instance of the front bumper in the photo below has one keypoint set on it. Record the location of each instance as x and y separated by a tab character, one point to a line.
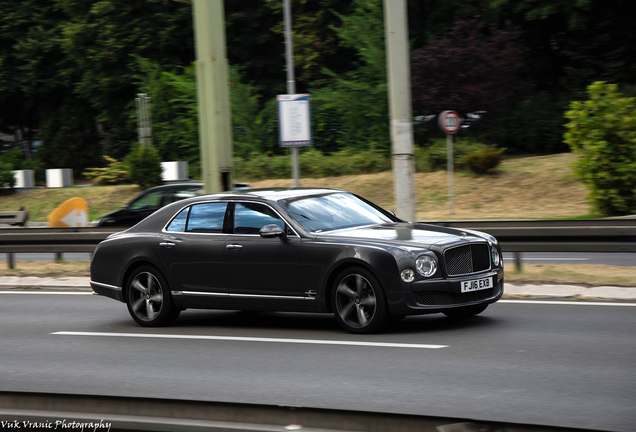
432	296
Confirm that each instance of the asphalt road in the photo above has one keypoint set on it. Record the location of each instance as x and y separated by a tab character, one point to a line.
572	366
621	259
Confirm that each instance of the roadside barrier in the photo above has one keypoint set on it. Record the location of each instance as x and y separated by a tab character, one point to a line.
48	411
517	236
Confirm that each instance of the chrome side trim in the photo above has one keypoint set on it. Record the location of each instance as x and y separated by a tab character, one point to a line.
176	293
103	285
267	296
214	294
203	293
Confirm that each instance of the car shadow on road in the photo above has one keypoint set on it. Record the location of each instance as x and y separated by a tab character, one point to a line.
315	323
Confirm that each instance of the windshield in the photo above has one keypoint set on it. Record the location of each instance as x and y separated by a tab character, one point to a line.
333	211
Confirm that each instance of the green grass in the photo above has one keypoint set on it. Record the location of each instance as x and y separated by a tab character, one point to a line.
536	187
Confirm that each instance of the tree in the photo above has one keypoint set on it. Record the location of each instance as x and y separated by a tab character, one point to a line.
99	41
473	69
603	131
352	107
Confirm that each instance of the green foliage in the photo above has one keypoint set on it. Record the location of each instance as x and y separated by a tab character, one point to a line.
70	137
313	164
434	157
352	106
602	130
483	162
144	166
7	179
114	173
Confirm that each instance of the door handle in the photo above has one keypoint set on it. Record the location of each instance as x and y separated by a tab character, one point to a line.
166	244
234	246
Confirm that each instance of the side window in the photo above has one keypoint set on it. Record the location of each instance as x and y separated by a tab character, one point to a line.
206	218
150	200
178	223
249	218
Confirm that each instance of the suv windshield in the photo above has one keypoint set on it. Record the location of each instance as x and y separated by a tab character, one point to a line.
333	211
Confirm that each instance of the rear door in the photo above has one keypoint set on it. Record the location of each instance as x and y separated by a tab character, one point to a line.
192	248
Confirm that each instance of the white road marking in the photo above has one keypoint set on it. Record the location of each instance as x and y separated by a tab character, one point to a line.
49	292
252	339
567	303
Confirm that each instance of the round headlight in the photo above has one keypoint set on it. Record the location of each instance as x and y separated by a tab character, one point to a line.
494	253
407	275
426	265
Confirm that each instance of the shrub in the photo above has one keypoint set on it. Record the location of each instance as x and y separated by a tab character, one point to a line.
113	174
144	167
313	163
603	131
483	162
7	179
434	157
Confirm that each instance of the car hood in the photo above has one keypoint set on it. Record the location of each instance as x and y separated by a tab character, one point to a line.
406	234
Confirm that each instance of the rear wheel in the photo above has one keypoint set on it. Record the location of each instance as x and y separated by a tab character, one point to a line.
148	298
465	312
358	301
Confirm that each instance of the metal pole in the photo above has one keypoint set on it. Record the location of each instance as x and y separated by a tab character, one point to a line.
11	261
291	81
399	80
215	132
450	169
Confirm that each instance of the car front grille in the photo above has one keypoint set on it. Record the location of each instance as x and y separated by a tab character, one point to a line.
439	298
472	258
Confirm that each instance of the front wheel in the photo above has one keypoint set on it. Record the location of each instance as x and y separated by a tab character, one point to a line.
358	301
148	298
465	312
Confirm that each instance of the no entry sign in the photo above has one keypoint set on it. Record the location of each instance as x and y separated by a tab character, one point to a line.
449	121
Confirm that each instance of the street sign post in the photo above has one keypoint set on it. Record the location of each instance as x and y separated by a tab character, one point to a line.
294	120
450	122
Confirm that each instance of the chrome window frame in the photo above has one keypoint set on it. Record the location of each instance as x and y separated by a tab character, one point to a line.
165	231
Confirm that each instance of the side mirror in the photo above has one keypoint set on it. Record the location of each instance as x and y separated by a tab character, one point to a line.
271	230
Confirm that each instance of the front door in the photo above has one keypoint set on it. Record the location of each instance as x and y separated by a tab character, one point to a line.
263	272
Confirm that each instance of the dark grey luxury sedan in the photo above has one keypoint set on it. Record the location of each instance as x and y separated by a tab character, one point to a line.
297	249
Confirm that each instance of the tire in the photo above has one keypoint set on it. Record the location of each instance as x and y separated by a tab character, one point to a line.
358	302
465	312
148	298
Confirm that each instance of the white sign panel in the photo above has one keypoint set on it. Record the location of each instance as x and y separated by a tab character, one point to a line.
294	120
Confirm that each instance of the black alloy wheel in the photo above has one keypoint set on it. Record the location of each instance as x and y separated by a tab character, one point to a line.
358	301
148	298
465	312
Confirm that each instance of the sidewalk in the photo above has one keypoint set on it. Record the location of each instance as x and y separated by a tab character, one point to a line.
511	291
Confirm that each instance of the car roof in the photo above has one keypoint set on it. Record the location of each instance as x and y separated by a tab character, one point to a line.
274	194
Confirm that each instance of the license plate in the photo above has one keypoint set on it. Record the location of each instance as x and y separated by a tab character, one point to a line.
476	284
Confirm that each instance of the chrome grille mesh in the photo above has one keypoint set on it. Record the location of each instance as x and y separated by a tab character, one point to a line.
467	259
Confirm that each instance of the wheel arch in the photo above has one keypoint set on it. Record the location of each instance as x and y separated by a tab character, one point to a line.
131	269
339	268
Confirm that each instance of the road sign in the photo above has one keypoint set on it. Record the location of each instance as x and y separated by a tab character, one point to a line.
294	120
71	213
449	122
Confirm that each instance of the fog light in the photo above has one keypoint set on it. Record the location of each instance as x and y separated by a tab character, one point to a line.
407	275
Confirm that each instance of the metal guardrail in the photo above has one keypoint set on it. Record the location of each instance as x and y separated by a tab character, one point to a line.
112	413
596	235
